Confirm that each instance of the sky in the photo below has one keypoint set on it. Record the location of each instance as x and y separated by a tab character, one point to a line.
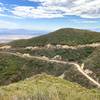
50	15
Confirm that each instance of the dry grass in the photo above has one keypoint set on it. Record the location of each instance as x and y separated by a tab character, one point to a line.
44	87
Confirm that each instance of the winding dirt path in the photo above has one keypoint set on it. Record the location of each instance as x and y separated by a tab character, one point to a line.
78	67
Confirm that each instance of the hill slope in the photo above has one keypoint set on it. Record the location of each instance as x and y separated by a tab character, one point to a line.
93	62
43	87
63	36
76	55
15	68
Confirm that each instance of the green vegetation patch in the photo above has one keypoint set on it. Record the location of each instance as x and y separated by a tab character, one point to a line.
77	55
44	87
62	36
93	63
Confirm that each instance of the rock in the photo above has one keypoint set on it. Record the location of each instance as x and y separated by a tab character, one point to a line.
57	57
58	46
87	71
44	57
49	46
26	55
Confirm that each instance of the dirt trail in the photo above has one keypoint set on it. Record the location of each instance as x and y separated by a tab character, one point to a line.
89	45
87	76
70	47
78	67
80	46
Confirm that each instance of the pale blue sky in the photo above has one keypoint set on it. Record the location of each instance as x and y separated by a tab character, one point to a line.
49	15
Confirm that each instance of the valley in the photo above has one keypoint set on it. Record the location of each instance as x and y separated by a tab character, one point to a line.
78	67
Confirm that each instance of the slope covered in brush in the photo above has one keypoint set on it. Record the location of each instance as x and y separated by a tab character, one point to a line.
76	55
93	62
14	68
67	36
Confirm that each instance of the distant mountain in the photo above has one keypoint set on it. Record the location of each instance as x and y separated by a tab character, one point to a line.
8	38
7	35
67	36
21	32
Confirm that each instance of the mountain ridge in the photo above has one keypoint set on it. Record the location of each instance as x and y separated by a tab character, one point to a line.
67	36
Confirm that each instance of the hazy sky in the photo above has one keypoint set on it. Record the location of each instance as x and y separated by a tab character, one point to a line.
49	14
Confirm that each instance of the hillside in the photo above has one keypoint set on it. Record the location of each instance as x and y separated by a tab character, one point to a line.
15	68
62	36
44	87
93	62
76	55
